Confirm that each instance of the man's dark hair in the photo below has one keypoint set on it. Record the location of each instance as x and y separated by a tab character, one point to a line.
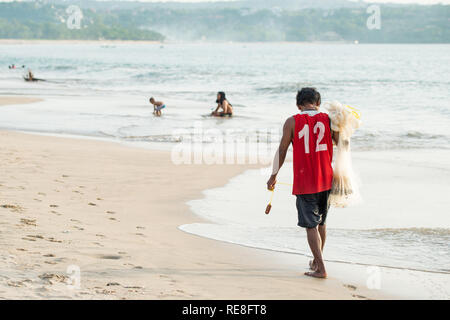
308	95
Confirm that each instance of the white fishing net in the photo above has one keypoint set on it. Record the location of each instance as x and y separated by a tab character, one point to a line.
345	190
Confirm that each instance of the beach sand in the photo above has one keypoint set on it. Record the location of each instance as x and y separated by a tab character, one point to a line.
110	213
17	100
113	211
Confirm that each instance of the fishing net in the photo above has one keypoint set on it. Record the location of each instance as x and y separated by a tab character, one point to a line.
345	120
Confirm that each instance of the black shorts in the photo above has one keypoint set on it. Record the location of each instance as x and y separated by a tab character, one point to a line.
312	209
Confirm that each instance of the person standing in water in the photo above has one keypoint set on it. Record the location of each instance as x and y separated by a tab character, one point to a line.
311	137
29	76
222	103
157	106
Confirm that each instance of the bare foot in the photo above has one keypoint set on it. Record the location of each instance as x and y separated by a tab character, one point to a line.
312	265
316	274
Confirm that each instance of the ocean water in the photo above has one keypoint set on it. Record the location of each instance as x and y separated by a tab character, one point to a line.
402	92
397	225
401	227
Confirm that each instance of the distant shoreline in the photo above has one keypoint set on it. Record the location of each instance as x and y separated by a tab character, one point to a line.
48	41
119	42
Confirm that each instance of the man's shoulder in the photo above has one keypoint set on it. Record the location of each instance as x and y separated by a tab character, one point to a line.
290	121
289	124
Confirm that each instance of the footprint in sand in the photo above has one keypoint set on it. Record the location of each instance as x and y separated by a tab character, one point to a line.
110	257
39	200
51	278
349	286
51	239
139	227
110	212
12	207
65	176
28	239
133	287
29	222
16	284
31	237
359	296
92	204
109	284
53	206
113	219
104	291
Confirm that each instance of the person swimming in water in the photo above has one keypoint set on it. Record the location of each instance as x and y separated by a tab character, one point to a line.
157	106
222	103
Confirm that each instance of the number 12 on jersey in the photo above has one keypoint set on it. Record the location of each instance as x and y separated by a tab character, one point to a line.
304	133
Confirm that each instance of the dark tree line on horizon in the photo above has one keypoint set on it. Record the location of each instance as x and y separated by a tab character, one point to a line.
399	24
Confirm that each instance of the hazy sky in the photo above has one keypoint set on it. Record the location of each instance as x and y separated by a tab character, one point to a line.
369	1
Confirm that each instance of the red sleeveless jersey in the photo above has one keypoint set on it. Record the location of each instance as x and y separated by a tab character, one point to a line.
313	153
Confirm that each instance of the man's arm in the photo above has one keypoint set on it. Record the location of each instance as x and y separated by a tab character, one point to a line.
280	155
335	136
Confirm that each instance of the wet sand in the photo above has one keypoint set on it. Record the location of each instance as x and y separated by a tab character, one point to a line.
17	100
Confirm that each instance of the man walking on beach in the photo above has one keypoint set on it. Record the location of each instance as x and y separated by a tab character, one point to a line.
311	138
